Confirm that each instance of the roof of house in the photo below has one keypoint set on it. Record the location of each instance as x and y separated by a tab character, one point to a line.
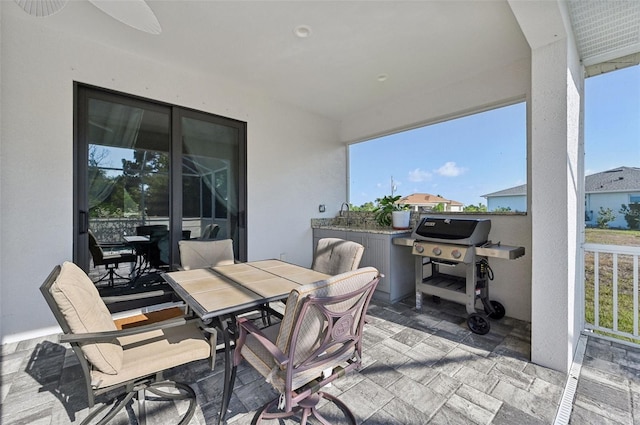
512	191
426	199
621	179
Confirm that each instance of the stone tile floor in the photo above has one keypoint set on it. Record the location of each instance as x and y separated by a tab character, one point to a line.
418	368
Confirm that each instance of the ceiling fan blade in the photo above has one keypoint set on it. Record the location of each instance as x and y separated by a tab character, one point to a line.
135	13
41	7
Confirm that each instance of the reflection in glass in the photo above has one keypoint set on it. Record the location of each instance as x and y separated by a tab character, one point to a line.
209	166
128	170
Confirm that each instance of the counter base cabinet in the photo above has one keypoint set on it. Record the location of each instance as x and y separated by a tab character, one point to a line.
395	262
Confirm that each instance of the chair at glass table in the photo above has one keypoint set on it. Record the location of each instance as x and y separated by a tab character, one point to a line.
110	260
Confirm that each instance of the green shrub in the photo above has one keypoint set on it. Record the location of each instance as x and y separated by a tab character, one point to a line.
631	215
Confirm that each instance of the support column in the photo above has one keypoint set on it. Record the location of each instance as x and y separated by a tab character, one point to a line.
555	182
555	196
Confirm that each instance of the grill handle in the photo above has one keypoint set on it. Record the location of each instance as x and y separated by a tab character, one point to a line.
445	263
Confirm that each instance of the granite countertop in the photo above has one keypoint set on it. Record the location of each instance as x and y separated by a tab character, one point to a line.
370	229
357	223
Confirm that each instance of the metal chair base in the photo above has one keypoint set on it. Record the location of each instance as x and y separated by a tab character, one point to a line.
185	392
305	409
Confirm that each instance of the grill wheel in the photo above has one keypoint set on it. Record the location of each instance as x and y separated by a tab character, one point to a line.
478	324
498	310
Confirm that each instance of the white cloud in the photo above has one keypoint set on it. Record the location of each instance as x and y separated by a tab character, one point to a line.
419	175
450	169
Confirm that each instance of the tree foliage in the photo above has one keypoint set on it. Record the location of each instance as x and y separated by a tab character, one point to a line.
367	206
605	216
475	208
631	214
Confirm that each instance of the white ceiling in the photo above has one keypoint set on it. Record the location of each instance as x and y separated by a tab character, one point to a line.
334	72
418	45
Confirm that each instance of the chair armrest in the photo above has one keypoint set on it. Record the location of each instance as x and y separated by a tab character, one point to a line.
249	328
108	336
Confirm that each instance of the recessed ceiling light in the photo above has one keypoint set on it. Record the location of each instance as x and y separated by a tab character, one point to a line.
382	77
302	31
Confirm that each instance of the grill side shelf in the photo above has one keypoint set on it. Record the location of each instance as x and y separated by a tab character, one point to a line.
505	252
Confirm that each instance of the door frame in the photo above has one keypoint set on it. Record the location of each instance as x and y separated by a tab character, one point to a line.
81	94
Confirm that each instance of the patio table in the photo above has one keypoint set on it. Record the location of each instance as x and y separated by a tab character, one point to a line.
141	247
217	294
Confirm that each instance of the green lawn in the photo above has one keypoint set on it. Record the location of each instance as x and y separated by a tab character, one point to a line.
606	289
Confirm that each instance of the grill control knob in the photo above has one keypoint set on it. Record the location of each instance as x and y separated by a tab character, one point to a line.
419	248
436	251
456	254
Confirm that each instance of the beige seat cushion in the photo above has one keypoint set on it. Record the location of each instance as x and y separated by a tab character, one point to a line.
202	254
155	351
79	302
334	256
311	329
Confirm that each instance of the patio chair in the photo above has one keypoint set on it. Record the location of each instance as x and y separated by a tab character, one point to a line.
197	254
128	362
110	260
318	340
157	251
334	256
210	232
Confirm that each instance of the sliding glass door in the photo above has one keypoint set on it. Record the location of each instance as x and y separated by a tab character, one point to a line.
150	169
211	178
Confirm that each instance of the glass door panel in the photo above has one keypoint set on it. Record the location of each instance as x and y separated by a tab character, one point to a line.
210	183
127	169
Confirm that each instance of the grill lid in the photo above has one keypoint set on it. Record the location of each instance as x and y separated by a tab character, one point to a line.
452	230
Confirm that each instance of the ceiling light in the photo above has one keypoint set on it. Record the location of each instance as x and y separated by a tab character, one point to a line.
302	31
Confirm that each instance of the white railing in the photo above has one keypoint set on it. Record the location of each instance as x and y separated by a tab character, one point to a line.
611	290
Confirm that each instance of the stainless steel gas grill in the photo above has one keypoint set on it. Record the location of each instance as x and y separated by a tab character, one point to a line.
452	263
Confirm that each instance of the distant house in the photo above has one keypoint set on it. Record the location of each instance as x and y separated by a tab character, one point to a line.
425	201
608	189
512	199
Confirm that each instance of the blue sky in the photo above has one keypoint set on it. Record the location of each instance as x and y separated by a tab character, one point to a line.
466	158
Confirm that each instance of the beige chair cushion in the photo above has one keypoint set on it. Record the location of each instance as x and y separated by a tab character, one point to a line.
334	256
310	331
202	254
79	302
155	351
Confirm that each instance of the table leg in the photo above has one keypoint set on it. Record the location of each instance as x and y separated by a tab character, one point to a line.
229	372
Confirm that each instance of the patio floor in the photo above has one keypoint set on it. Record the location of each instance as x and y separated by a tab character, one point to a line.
419	368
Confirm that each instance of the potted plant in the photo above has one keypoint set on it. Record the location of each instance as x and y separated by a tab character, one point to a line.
389	212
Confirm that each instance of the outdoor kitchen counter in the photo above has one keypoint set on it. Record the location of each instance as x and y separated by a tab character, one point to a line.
396	263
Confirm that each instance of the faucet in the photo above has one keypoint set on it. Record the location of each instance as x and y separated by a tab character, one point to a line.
348	215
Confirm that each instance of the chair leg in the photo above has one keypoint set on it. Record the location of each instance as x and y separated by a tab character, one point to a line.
118	406
185	392
142	410
306	406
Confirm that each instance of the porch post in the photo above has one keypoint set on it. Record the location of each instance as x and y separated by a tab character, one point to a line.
555	183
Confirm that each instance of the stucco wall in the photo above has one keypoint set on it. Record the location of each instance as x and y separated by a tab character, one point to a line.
286	178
